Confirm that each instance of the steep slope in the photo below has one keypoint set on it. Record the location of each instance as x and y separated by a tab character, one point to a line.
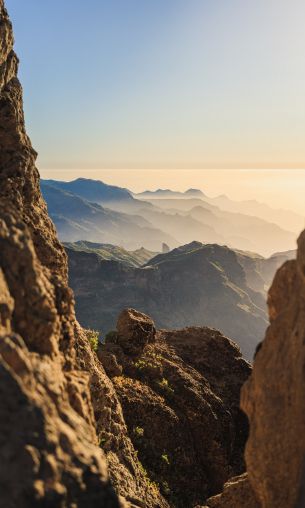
194	285
182	418
55	396
78	219
109	252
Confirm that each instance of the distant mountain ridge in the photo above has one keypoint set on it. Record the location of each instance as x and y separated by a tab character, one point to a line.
193	285
78	219
136	258
168	193
92	190
109	214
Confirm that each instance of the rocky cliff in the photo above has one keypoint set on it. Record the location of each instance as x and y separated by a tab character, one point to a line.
273	399
50	419
63	437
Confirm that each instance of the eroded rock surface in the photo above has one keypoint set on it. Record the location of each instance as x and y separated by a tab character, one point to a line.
274	396
273	399
56	400
180	398
134	331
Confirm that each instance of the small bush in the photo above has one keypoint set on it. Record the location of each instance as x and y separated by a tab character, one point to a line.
93	338
165	488
165	459
164	384
138	431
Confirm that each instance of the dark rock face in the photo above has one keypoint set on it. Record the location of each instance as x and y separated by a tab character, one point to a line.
180	398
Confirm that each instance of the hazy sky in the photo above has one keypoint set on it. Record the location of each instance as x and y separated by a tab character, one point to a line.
163	83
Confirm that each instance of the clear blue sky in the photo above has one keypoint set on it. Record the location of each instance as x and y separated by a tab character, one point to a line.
163	83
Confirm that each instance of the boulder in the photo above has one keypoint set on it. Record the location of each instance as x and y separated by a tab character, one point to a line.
135	331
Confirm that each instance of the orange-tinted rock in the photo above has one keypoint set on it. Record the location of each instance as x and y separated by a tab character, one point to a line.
56	400
273	398
237	493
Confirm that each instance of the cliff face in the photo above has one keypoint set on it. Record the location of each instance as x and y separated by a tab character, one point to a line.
62	430
273	399
50	420
183	419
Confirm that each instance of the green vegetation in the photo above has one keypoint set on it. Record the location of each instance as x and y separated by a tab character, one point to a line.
102	439
165	459
152	485
93	338
165	488
164	384
138	431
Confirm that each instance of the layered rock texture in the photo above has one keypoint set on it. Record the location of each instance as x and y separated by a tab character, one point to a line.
182	417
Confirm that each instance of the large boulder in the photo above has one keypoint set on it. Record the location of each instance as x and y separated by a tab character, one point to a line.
135	330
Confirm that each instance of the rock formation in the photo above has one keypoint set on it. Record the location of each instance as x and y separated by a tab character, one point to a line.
63	438
183	419
273	399
56	399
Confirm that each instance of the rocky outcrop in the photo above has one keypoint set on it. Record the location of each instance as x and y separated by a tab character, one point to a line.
273	399
134	331
183	419
237	493
56	400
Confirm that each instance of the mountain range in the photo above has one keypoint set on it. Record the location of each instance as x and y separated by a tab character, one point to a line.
193	285
94	211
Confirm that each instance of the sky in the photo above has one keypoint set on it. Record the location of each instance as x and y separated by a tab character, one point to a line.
147	85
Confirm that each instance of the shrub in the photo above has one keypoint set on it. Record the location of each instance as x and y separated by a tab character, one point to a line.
165	459
164	384
93	338
138	431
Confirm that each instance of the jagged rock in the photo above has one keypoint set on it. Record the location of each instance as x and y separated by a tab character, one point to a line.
165	248
180	398
110	363
135	330
273	399
56	401
274	396
237	493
